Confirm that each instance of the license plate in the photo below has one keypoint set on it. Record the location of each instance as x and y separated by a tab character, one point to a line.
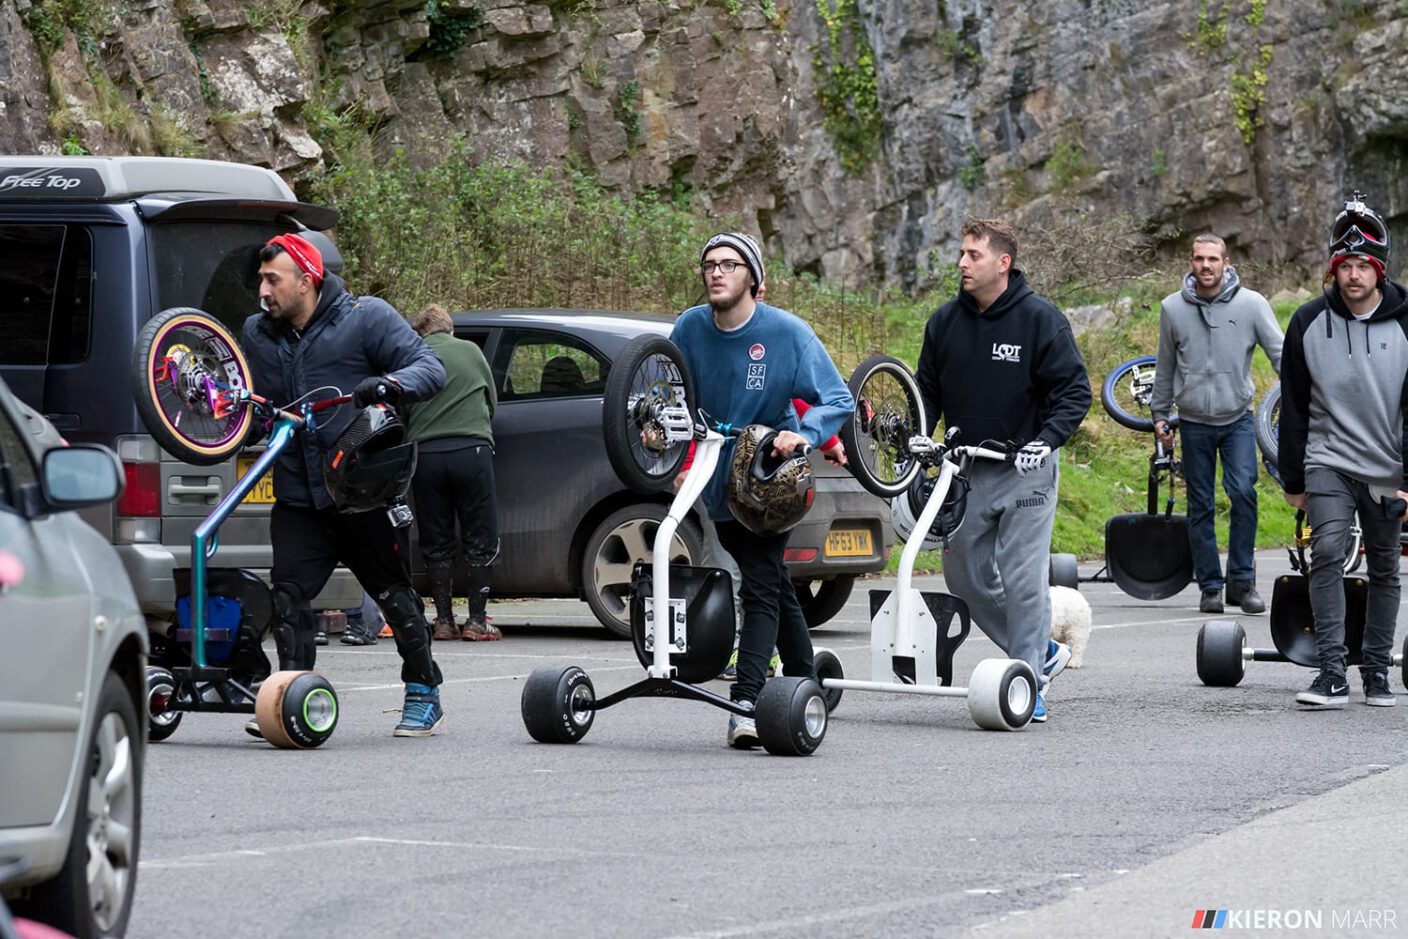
849	543
263	491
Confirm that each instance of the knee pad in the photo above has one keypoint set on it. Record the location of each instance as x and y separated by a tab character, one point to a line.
401	605
294	629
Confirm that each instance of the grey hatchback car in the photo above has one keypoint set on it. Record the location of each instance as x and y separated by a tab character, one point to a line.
73	655
570	527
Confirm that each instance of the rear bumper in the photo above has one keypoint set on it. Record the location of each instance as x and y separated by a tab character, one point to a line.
839	506
149	568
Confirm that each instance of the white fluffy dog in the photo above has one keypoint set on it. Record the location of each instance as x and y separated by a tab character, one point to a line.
1070	622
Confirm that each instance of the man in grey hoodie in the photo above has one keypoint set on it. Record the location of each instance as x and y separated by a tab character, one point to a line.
1343	393
1207	332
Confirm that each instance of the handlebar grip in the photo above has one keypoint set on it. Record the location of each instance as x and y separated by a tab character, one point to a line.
326	403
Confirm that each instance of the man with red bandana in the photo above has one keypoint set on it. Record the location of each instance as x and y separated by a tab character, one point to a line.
313	336
1344	382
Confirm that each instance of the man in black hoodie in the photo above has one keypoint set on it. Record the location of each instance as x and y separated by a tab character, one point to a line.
1344	378
1000	364
313	336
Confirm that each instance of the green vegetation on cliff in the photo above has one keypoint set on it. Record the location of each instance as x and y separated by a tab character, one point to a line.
486	236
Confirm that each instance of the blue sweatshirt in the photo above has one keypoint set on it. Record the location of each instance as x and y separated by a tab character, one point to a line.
751	375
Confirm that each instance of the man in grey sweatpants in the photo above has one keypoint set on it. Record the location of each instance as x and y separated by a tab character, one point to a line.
1207	333
1344	385
999	363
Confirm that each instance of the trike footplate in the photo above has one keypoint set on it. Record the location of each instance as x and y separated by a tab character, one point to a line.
941	623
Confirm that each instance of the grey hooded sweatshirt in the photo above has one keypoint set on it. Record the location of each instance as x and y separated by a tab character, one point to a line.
1343	392
1205	351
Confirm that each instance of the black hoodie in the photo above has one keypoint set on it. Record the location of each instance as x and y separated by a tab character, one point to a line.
1343	386
1009	373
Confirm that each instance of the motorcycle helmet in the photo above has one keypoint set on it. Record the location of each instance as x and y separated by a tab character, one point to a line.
767	494
906	507
1359	230
371	464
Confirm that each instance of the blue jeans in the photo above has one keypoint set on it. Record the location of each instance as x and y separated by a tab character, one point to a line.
1236	443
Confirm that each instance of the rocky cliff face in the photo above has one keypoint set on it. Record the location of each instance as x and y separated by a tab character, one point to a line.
853	135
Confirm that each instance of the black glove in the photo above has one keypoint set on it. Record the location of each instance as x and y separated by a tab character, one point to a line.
376	388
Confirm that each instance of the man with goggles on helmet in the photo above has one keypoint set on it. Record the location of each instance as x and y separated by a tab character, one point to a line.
999	363
1344	373
749	360
331	486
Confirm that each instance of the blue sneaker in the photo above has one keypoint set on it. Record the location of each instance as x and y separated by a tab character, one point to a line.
1039	713
1058	654
421	715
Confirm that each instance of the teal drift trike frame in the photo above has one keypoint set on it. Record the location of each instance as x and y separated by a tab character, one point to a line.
193	392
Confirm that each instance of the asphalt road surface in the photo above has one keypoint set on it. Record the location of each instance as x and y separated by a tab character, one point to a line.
1146	799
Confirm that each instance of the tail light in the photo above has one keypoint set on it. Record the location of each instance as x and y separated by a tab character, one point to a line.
139	507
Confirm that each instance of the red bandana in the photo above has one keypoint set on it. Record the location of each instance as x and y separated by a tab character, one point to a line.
306	257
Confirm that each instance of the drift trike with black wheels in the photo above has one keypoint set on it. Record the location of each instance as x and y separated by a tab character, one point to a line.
682	617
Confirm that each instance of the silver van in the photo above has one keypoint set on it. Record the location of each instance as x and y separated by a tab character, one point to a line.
73	656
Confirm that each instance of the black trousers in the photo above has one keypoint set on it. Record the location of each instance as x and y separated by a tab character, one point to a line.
457	485
309	543
771	614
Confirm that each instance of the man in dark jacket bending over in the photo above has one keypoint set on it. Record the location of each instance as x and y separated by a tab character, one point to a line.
312	337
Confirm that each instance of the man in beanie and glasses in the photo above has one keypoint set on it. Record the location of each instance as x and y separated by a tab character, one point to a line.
1344	373
314	336
749	360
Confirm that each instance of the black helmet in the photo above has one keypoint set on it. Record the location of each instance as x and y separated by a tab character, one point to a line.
371	464
905	509
768	494
1359	230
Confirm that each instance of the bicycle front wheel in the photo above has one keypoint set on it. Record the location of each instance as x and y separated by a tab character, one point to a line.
185	367
888	412
1127	394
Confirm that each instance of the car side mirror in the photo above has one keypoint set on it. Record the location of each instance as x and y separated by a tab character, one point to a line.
81	474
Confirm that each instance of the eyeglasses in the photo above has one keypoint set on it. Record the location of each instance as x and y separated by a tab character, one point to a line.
724	267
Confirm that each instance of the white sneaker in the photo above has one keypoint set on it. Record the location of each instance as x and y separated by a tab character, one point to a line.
742	732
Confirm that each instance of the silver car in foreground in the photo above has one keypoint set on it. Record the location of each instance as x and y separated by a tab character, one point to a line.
73	654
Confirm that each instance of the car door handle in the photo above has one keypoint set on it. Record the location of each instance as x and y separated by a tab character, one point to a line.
178	488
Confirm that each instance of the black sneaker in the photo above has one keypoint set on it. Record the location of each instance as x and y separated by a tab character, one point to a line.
1327	690
357	636
1211	602
320	638
1376	690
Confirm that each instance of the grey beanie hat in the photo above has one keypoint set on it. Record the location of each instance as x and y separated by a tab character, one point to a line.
745	246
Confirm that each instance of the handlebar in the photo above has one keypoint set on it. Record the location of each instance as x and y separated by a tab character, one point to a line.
926	450
326	403
733	430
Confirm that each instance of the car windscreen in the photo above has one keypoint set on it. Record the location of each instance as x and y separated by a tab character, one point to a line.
210	265
45	310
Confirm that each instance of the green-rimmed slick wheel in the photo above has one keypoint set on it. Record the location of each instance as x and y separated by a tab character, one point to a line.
296	710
